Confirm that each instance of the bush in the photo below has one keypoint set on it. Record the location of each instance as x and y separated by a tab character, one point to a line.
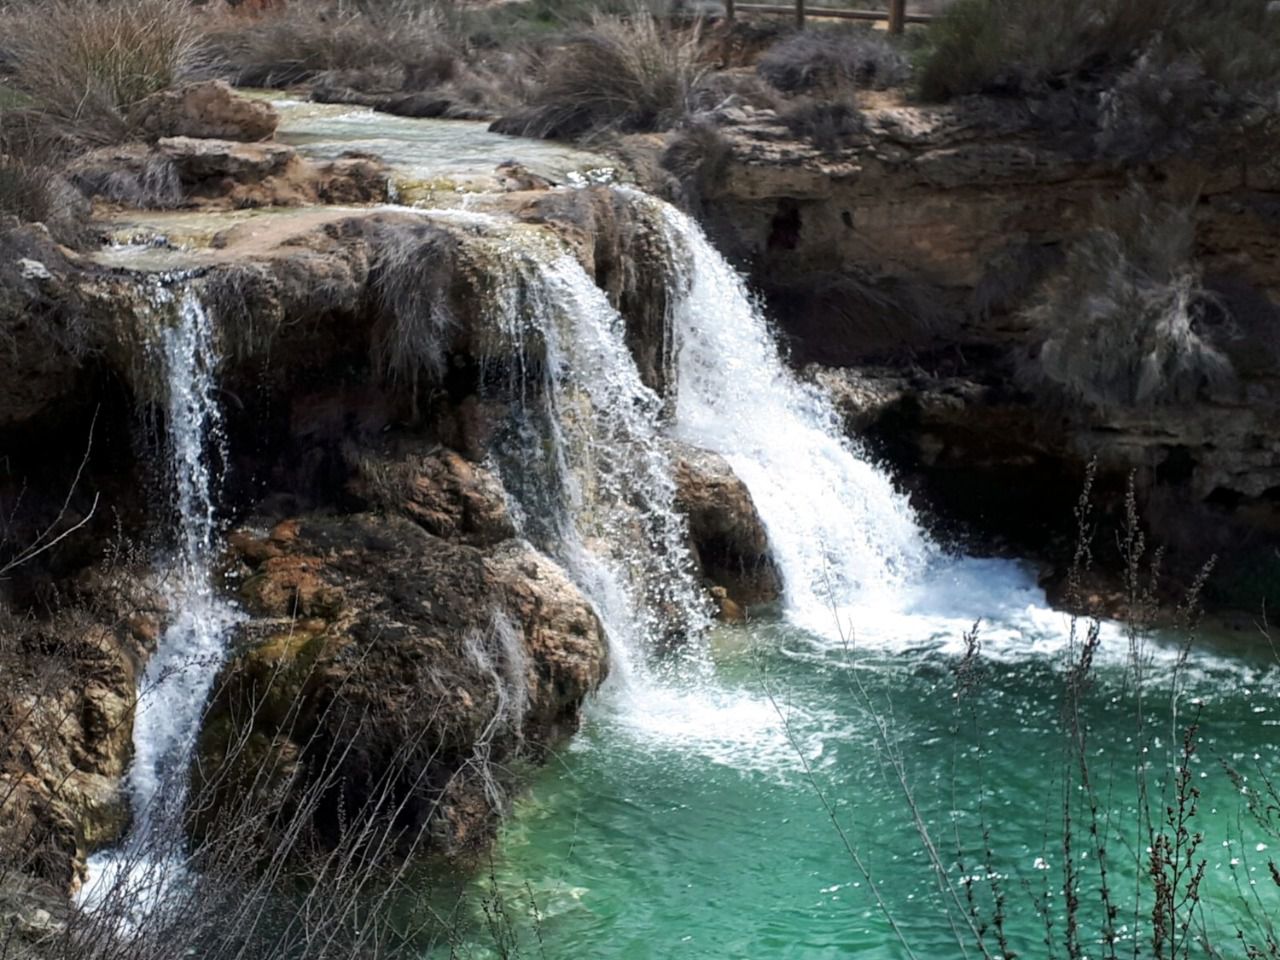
1157	108
698	158
625	74
1021	46
827	124
32	191
398	44
1125	320
86	63
815	59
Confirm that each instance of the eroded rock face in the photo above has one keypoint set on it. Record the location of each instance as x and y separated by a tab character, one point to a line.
396	660
47	329
727	537
209	109
213	174
66	724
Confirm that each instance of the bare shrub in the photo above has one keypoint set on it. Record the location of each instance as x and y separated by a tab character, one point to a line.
828	123
1143	812
371	45
86	63
34	193
697	157
620	74
151	184
821	59
1022	45
1157	108
1124	320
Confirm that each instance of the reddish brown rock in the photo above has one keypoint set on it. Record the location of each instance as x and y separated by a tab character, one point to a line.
389	665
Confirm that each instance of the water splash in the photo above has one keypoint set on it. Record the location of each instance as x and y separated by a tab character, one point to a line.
177	679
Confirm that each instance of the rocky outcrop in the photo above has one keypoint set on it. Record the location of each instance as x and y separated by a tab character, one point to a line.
211	174
727	538
395	663
398	635
207	109
615	239
46	326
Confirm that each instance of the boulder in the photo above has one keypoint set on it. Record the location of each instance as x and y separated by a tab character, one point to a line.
207	109
727	537
223	174
384	667
440	491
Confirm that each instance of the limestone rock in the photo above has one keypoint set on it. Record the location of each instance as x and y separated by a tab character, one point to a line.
727	537
202	159
916	252
207	109
614	238
441	492
380	656
66	723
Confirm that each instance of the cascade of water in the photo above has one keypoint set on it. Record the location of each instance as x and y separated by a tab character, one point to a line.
178	676
584	458
838	529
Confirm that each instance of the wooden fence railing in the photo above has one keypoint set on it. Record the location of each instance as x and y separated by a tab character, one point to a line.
896	15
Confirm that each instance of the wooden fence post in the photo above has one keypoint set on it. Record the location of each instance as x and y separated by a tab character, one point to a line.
799	14
897	15
728	10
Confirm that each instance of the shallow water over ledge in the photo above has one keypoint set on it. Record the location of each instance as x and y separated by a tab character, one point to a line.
436	161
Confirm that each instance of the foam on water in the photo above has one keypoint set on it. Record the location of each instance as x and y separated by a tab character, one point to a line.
736	728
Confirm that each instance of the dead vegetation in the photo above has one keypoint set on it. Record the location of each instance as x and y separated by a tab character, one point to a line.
618	75
83	65
825	59
1125	319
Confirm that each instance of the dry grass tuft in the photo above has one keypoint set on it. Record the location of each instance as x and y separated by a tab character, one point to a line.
85	64
1020	46
620	74
401	43
823	59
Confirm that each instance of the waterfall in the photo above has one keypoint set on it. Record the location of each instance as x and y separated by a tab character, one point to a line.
583	455
839	531
176	682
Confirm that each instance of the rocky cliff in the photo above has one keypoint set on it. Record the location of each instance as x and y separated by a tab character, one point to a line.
913	258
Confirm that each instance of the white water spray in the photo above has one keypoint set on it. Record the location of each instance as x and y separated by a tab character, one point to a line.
838	529
855	562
